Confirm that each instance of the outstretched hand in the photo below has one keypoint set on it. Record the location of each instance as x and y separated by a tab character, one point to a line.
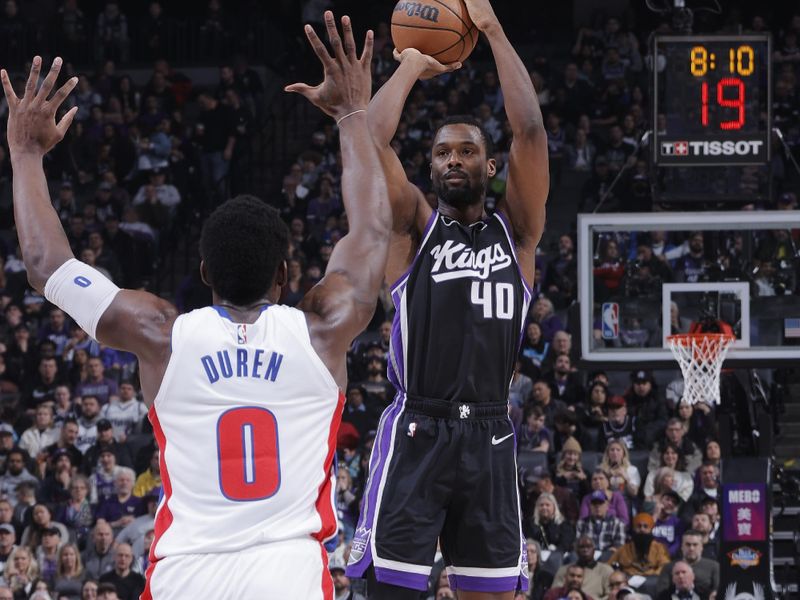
431	67
32	127
481	13
347	86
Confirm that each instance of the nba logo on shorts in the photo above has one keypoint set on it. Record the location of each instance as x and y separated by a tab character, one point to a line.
610	319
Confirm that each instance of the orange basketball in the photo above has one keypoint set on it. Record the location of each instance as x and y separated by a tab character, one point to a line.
440	28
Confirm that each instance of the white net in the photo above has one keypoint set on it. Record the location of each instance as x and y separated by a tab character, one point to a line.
700	357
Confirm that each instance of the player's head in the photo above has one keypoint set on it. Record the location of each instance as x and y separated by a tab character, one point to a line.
243	248
461	161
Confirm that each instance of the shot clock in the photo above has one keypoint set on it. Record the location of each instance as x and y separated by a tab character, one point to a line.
715	97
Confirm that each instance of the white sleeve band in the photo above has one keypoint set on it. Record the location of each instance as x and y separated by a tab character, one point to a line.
82	292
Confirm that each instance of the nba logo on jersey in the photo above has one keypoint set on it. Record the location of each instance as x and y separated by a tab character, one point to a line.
241	334
610	319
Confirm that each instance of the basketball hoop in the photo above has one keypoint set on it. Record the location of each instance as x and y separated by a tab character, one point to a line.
700	356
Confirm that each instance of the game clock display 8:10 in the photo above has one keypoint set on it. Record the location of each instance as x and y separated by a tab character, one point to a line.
712	100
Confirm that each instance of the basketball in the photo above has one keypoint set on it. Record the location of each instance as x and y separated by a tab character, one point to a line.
439	28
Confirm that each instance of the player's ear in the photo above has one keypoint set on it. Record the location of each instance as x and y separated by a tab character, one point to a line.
491	167
282	274
204	273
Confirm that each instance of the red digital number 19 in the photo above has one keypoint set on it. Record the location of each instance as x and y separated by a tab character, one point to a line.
738	102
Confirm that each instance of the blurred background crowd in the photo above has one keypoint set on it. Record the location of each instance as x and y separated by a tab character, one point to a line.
177	113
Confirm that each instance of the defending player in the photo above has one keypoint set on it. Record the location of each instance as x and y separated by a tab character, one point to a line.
443	464
244	397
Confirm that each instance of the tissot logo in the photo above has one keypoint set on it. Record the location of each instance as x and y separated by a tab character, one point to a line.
457	260
713	148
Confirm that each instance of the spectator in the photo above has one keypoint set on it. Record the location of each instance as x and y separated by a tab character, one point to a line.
87	423
47	554
567	504
569	471
554	534
76	512
672	458
533	435
136	532
596	575
676	436
150	479
617	506
668	527
573	580
341	583
706	571
534	349
620	425
565	382
97	385
15	474
98	558
43	388
127	583
216	134
606	532
642	555
106	442
20	573
67	437
543	399
7	543
69	573
543	313
622	475
682	584
520	391
124	412
112	34
701	523
41	522
539	580
121	508
647	406
43	433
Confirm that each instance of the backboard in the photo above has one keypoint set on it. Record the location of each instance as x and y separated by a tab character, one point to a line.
676	272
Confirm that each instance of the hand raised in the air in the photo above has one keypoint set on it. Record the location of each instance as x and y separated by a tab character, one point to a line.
32	127
347	85
429	66
481	13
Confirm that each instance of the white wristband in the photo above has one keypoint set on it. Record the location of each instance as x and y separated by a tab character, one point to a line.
82	292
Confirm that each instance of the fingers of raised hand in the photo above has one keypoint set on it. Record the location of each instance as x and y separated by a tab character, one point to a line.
50	80
333	35
318	46
11	96
33	78
366	54
349	41
63	92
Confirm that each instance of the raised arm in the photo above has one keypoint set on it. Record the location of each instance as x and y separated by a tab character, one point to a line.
341	305
410	211
528	176
133	321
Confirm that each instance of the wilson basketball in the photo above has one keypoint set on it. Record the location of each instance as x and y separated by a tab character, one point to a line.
440	28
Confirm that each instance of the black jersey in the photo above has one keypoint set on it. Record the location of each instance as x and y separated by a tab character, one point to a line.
460	311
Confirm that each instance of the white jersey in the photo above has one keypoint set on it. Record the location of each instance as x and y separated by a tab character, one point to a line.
246	419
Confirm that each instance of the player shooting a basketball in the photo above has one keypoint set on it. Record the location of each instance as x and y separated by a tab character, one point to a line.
443	464
245	396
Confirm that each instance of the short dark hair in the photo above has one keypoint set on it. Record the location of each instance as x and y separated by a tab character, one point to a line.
242	244
470	120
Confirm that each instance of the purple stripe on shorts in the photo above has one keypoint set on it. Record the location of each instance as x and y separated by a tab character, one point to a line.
469	583
397	368
377	464
415	581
